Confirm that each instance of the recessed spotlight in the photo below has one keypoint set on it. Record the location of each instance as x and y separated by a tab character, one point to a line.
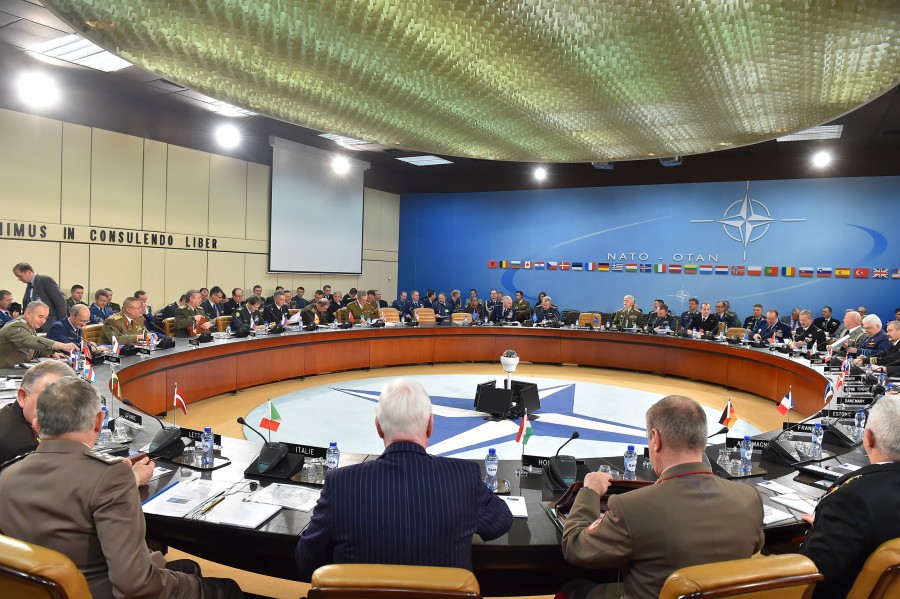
340	165
540	173
821	159
228	136
37	90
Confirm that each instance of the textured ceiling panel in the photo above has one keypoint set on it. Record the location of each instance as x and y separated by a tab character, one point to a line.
525	80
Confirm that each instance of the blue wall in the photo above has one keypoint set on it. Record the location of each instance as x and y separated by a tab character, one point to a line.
447	241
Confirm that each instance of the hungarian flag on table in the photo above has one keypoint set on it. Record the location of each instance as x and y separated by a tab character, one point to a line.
787	403
272	419
178	401
525	431
729	417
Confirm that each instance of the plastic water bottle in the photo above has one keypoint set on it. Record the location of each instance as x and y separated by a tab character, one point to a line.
491	461
207	455
630	463
817	433
332	455
746	455
105	437
860	422
868	370
485	318
228	332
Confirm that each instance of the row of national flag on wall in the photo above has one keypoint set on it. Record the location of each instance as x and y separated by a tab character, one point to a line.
704	269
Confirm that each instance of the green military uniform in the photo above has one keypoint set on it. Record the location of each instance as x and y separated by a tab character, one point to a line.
625	318
363	312
523	310
184	318
20	343
124	331
71	302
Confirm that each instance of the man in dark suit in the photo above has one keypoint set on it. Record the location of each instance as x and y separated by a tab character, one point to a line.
771	328
827	322
441	307
687	318
381	303
235	302
653	531
430	299
212	305
751	323
792	319
859	511
17	435
399	304
277	311
69	330
41	288
298	301
5	313
705	321
367	514
891	357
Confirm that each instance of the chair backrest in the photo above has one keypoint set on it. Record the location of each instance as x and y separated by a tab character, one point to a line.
880	575
787	576
390	314
169	326
736	332
721	327
352	581
425	315
460	317
30	571
91	332
293	311
222	323
587	318
341	315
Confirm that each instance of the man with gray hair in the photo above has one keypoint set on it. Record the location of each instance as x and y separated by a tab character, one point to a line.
190	319
859	511
17	435
406	507
889	362
629	315
85	505
652	531
70	330
19	341
875	341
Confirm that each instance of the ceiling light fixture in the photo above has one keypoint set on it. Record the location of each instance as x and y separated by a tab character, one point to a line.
37	90
340	165
821	159
228	136
540	173
424	160
75	49
820	132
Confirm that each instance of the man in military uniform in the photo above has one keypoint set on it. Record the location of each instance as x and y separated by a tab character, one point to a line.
316	313
412	304
807	334
441	307
298	301
874	343
17	435
687	318
475	308
247	318
522	306
629	316
456	304
652	531
19	341
6	314
70	330
503	311
91	510
191	317
751	323
891	356
172	309
100	309
705	322
546	312
236	301
361	309
494	301
399	304
112	305
76	296
662	319
724	316
429	299
350	297
826	322
771	328
852	328
277	311
127	326
733	315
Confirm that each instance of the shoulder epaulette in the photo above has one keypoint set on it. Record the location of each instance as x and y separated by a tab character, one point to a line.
103	457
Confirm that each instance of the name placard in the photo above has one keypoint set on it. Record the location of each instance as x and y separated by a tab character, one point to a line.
758	444
839	414
131	417
309	451
535	461
197	435
113	359
857	388
801	428
857	401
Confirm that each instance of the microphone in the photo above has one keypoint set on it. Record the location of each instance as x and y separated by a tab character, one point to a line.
166	444
575	435
271	453
561	470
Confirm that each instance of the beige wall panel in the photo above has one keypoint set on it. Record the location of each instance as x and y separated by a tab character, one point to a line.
308	282
340	283
379	255
185	269
76	175
187	200
256	266
227	196
42	255
116	267
75	268
154	205
371	220
117	163
153	277
257	201
390	222
225	270
30	167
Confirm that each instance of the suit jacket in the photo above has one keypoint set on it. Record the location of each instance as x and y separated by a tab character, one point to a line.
687	318
66	497
230	307
890	357
16	435
709	325
653	531
99	315
857	514
752	323
829	326
4	318
728	319
242	320
792	324
275	314
541	315
406	507
779	329
64	332
659	322
20	343
212	310
45	289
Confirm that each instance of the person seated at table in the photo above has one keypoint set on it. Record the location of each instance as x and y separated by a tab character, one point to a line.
367	514
652	531
191	319
147	312
234	302
100	309
475	309
19	341
212	305
751	323
851	328
724	316
705	322
127	326
874	343
277	311
362	308
807	334
662	320
503	310
826	322
629	316
546	312
381	302
76	296
335	304
891	357
687	318
495	299
771	328
88	505
17	434
429	299
70	330
6	313
441	307
316	313
522	306
859	511
399	304
247	318
456	304
172	309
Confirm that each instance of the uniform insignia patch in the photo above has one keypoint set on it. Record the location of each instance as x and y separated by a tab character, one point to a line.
595	523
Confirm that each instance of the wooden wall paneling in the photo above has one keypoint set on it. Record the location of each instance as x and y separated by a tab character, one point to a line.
187	192
464	345
256	267
540	349
148	392
227	196
401	350
203	378
269	365
153	277
43	257
74	268
185	269
334	354
156	159
115	267
227	271
257	220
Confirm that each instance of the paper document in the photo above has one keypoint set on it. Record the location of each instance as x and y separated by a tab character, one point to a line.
776	487
181	498
234	511
837	343
159	471
771	514
849	467
292	497
796	502
516	505
295	318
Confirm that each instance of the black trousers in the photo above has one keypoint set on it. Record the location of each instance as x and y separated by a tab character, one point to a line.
210	588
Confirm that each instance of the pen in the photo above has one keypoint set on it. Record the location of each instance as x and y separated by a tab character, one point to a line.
214	503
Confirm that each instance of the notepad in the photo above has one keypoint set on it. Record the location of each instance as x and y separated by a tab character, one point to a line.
771	514
516	505
234	511
796	502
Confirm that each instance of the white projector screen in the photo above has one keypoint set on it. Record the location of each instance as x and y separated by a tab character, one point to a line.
316	215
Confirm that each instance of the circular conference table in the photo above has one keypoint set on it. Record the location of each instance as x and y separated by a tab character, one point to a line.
528	559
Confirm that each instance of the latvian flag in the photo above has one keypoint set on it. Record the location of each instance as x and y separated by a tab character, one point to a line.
675	269
540	265
823	272
754	271
690	269
526	264
631	267
705	269
860	273
661	268
738	271
578	266
603	267
806	271
492	264
591	266
617	267
879	273
552	265
565	266
504	264
771	271
841	273
788	271
515	264
646	268
721	269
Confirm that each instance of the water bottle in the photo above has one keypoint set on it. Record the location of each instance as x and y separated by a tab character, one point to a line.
868	370
860	422
746	456
332	455
207	455
485	318
105	437
817	435
630	463
228	332
491	461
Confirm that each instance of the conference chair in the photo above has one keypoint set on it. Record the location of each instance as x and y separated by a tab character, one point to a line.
425	315
222	323
375	581
789	576
341	315
91	332
30	571
587	318
293	311
169	326
463	317
880	575
738	332
721	327
390	315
